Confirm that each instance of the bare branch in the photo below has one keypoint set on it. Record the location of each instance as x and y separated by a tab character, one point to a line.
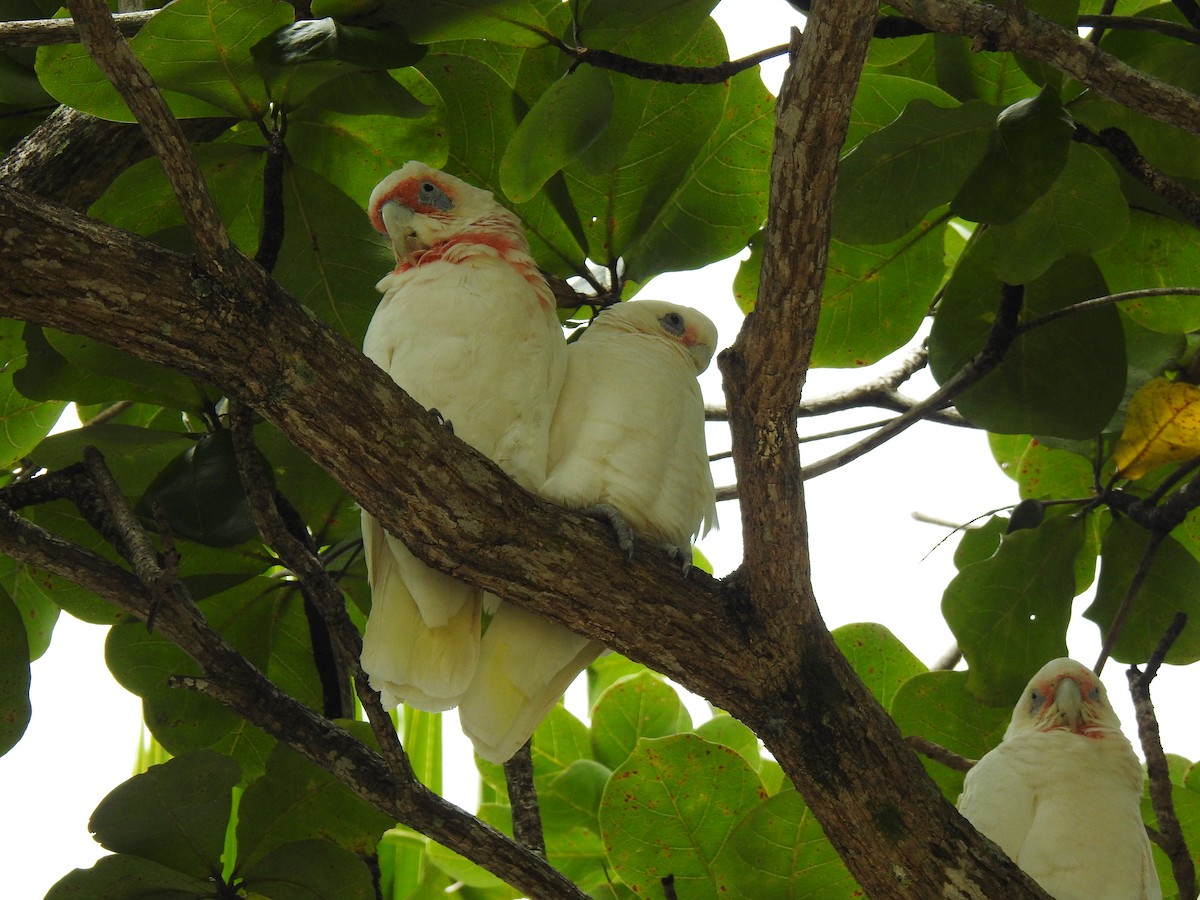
993	29
301	557
938	753
1170	833
45	32
1004	331
1131	592
522	798
112	54
234	682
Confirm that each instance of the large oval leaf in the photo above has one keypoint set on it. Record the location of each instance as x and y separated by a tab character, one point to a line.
639	706
899	173
14	675
562	124
1010	611
1172	585
671	808
1064	379
1156	252
1025	153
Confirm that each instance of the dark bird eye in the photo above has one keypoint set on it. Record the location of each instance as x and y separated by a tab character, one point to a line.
429	194
1036	700
427	187
673	322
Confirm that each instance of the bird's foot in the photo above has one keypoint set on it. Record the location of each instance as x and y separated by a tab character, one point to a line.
681	555
446	423
606	512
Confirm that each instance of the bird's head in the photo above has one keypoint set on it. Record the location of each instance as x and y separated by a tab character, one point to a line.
1064	696
688	328
418	206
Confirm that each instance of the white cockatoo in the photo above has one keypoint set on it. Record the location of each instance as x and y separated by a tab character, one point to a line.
467	326
1060	794
628	434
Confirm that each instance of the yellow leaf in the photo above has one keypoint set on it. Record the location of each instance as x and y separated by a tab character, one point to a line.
1161	426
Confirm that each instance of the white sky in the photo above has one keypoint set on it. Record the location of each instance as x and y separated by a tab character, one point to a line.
868	565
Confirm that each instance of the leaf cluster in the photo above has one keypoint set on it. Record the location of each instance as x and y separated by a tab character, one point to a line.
962	173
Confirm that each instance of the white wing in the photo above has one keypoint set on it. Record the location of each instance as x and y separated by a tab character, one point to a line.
473	340
629	432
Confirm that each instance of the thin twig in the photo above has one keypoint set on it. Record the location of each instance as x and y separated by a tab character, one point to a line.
133	542
1125	151
1004	331
1131	592
108	48
1136	23
522	798
318	584
1170	834
938	753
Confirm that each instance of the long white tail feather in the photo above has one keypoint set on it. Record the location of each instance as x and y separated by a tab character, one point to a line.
525	664
409	660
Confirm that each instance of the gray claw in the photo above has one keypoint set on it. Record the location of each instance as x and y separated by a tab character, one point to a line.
446	423
608	513
683	554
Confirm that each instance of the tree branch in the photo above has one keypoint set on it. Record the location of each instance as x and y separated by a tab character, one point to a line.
848	759
993	29
234	682
1170	834
108	48
45	32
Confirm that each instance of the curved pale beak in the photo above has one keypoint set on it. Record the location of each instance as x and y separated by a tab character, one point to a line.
402	236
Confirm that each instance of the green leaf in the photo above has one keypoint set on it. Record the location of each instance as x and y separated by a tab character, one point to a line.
476	82
938	707
1082	213
779	850
607	670
569	804
302	56
727	731
173	814
877	296
670	809
722	198
966	74
298	801
918	163
48	375
562	124
1048	474
559	741
202	495
1025	154
356	129
139	380
37	612
14	675
202	48
1172	585
511	22
133	455
1063	379
262	623
1010	611
640	706
977	544
23	422
310	870
130	876
1155	252
748	277
881	99
878	658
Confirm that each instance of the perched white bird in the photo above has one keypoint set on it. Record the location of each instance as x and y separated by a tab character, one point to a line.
467	326
628	434
1060	794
